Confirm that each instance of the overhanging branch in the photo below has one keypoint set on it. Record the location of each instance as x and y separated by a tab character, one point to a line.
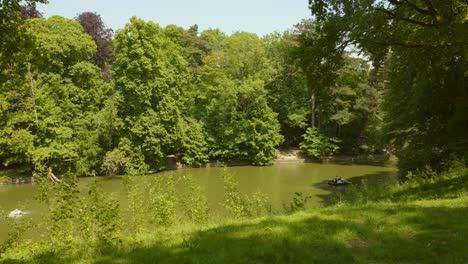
393	16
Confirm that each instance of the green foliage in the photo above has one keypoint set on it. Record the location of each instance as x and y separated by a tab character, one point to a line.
115	162
194	203
238	120
193	148
52	119
151	202
260	205
137	204
17	228
55	51
416	135
298	203
243	206
63	202
317	145
288	93
162	200
234	202
135	162
99	216
15	44
154	79
419	48
344	92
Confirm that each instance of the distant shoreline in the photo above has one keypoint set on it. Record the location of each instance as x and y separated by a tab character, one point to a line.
290	156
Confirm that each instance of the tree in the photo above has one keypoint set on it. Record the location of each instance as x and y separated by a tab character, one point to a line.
195	48
155	82
422	45
319	56
102	36
16	107
29	11
288	92
15	42
239	122
69	93
343	100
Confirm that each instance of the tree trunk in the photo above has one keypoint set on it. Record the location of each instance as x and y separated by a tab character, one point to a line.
31	81
318	118
312	100
362	131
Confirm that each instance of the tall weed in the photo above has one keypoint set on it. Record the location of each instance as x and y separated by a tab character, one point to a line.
194	201
162	200
243	206
99	216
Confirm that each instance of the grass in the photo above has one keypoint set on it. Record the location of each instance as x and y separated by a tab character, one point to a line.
415	232
417	222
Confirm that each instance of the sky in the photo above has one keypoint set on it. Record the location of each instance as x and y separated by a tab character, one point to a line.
257	16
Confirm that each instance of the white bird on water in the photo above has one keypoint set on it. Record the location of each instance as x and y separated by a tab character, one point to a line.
16	213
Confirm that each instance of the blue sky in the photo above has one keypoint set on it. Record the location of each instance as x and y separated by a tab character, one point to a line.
258	16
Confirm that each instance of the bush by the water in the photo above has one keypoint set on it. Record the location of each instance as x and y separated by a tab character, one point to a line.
317	145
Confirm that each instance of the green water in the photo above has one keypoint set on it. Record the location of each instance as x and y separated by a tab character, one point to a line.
278	182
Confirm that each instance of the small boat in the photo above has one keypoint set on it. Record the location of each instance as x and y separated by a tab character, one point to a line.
338	182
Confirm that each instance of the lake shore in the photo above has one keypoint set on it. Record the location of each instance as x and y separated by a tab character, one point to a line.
295	156
8	176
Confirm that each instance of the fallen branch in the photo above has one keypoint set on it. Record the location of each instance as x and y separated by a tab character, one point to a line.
57	180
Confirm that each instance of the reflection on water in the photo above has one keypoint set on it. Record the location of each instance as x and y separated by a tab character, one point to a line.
278	182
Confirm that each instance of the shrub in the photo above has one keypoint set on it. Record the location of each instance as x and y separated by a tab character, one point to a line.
114	162
243	206
317	145
194	202
162	200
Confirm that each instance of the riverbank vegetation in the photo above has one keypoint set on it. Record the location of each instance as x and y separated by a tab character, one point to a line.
420	220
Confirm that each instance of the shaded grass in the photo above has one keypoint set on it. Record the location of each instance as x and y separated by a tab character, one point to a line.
425	231
451	184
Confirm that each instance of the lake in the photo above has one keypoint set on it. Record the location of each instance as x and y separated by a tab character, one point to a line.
279	182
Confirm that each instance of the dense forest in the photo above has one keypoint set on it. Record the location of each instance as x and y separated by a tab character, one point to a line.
361	77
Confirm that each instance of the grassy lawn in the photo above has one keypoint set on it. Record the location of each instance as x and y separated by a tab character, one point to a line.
426	231
412	223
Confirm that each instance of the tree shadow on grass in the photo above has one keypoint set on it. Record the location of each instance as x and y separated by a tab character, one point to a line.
406	233
439	188
374	180
437	235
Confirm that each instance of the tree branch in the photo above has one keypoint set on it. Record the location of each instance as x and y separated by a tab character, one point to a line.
57	180
409	20
419	9
432	9
399	44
